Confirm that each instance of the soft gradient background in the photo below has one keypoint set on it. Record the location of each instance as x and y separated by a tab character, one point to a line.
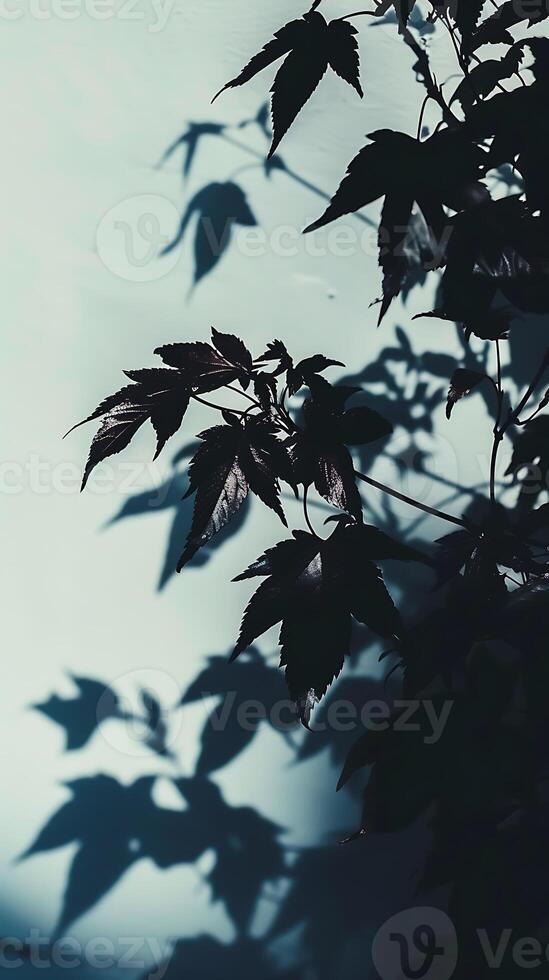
89	105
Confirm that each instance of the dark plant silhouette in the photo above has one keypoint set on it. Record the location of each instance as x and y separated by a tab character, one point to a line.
464	791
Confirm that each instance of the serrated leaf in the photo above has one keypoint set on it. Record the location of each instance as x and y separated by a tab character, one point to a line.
284	40
369	175
344	56
233	349
233	460
220	484
314	587
335	480
304	372
311	45
295	82
158	395
393	230
200	364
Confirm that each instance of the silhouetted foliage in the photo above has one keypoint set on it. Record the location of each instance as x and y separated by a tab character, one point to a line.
468	655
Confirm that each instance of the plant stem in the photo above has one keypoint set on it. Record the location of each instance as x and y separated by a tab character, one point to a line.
359	13
414	503
218	408
461	60
424	69
498	434
244	394
306	513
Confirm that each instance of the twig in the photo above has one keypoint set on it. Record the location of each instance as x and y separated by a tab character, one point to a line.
414	503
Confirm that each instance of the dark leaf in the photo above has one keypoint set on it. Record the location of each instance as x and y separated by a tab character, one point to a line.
393	231
531	448
335	480
232	460
314	587
277	559
432	172
495	29
377	168
205	367
276	351
159	395
311	45
467	14
221	487
232	349
265	390
319	453
462	383
285	39
344	55
296	80
305	371
483	78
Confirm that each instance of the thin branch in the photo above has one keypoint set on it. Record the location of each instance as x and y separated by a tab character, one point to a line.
306	513
359	13
244	394
424	69
414	503
218	408
421	114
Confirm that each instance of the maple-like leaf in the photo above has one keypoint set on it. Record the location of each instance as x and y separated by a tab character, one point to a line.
495	29
160	395
314	587
320	453
483	78
206	367
433	171
233	460
311	45
403	170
